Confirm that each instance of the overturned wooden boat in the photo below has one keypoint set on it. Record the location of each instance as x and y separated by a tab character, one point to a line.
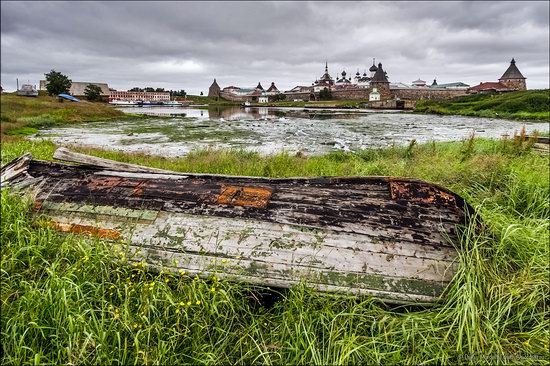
387	237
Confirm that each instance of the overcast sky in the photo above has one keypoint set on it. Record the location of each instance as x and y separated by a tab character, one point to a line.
184	45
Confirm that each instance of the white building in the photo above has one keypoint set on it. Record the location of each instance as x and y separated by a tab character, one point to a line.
263	98
374	95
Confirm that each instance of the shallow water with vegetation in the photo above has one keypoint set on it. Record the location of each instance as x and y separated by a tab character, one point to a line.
177	131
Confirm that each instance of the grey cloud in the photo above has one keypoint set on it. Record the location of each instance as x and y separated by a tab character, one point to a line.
186	44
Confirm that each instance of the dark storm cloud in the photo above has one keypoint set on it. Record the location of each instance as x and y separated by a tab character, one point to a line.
186	44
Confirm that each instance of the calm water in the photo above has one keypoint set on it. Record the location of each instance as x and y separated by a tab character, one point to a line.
267	131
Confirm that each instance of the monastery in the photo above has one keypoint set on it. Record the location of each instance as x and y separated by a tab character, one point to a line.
374	87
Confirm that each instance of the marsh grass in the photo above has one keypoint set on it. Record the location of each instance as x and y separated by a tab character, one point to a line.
527	105
19	114
73	300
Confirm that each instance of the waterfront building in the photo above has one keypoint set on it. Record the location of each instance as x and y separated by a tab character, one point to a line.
263	98
374	95
381	83
511	80
272	90
214	90
136	96
78	87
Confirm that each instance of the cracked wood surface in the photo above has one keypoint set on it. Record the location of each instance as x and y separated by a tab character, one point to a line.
383	236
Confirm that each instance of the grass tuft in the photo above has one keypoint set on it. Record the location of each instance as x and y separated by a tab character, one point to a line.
69	299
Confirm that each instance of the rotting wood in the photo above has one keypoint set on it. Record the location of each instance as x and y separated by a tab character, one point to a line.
384	236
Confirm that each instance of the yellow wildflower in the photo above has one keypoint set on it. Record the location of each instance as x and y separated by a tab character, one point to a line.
188	303
198	302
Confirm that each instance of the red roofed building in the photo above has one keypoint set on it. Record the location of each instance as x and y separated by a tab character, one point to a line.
490	87
511	80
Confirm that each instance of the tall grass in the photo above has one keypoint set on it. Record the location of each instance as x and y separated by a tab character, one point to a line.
527	104
73	299
22	115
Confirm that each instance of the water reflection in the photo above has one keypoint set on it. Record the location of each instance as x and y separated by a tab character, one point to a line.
271	130
232	113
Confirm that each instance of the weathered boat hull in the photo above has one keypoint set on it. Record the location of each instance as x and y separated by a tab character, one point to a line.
387	237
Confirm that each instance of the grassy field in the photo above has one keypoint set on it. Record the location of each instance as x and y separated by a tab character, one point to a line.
72	300
529	104
24	115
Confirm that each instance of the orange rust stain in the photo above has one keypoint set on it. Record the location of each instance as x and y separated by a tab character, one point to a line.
244	196
420	193
87	229
138	190
103	182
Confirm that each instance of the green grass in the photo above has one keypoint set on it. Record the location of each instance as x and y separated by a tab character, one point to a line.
71	299
18	114
525	105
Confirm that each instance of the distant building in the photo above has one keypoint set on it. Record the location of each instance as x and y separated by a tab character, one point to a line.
419	83
214	90
511	80
273	90
490	87
343	80
78	87
263	98
135	96
374	95
249	94
27	90
381	83
455	85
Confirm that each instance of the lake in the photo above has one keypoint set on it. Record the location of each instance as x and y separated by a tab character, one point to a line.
171	132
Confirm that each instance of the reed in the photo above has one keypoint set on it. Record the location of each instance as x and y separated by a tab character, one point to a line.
69	299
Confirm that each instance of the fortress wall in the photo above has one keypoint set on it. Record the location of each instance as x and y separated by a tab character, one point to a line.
427	93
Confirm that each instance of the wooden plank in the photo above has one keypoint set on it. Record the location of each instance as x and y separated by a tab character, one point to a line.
378	235
14	169
281	245
74	157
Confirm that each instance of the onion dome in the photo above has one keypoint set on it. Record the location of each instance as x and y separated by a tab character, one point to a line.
373	68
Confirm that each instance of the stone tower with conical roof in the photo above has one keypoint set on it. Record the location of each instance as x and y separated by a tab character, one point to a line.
381	83
214	90
513	78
